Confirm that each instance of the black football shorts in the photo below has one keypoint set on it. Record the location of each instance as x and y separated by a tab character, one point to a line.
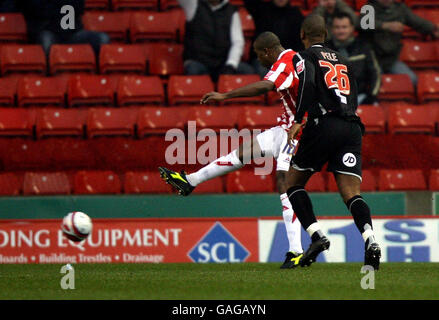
330	139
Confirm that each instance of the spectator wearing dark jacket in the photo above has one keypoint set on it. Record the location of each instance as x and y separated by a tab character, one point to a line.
43	19
279	17
364	64
385	39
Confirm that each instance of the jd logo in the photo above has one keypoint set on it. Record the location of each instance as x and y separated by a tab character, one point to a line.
67	281
349	160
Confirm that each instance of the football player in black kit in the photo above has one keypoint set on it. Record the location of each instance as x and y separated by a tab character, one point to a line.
332	134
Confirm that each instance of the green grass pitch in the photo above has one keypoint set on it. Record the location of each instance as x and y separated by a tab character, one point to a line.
220	281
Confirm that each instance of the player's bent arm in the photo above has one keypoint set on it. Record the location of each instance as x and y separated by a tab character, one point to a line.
251	90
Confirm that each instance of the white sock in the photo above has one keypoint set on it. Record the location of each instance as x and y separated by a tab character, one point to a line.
219	167
315	227
293	227
368	234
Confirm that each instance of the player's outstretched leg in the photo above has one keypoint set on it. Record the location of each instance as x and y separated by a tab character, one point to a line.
177	180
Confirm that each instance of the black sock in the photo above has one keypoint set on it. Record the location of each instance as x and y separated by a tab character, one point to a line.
302	206
360	212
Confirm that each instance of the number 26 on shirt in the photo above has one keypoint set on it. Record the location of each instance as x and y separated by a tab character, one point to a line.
336	78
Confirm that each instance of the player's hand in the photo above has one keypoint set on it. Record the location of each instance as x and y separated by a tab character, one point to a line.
212	96
393	26
293	132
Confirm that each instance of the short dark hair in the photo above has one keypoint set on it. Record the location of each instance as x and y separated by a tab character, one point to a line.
342	15
314	27
266	40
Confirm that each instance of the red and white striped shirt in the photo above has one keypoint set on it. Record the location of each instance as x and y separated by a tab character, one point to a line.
283	75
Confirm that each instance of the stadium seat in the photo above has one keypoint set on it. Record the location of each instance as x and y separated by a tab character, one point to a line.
373	118
165	59
210	186
215	118
37	183
71	58
422	3
97	4
140	90
135	4
111	122
368	183
22	58
90	90
247	23
401	180
316	183
8	90
418	54
188	89
247	181
168	4
434	180
12	27
122	58
228	82
359	4
60	122
158	120
258	117
9	184
396	87
145	182
411	119
273	98
96	182
16	122
35	90
428	87
146	26
115	24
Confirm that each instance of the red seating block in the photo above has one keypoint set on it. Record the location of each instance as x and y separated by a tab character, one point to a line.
135	4
140	90
15	122
46	183
411	118
316	183
230	82
210	186
422	3
8	89
428	87
401	180
96	182
434	180
72	58
165	58
373	118
34	90
122	58
158	120
215	118
417	54
396	87
9	184
247	23
188	89
146	26
368	184
247	181
12	27
145	182
258	117
111	121
89	90
115	24
22	58
60	122
168	4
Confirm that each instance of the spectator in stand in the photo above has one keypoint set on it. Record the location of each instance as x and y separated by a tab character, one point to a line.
329	8
364	64
8	6
214	41
390	18
43	19
279	17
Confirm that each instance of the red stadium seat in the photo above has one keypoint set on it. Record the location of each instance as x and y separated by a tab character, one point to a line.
359	4
411	118
401	180
434	180
248	25
35	90
373	118
247	181
188	89
396	87
97	4
368	183
316	183
115	24
165	58
168	4
60	122
122	58
215	118
90	90
72	58
145	182
210	186
140	90
158	120
96	182
422	3
46	183
8	90
9	184
135	4
417	54
428	87
258	117
111	122
273	98
22	58
12	27
228	82
147	26
15	122
238	3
